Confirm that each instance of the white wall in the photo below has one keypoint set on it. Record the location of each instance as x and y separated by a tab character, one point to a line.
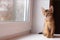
38	22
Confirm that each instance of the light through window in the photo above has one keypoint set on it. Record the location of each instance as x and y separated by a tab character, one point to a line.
14	10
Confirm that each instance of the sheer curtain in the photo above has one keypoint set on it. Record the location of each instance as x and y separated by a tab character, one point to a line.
6	10
14	10
22	10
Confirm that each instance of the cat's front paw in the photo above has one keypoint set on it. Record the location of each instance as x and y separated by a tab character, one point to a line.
45	34
52	36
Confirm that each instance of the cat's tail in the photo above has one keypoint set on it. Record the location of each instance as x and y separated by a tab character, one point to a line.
40	33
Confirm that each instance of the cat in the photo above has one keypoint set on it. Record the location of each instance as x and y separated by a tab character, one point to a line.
49	22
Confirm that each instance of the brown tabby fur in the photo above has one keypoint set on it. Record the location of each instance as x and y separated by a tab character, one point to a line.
49	22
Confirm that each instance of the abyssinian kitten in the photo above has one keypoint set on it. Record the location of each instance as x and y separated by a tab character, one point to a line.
49	22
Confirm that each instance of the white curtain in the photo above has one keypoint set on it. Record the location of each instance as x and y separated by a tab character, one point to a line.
21	11
6	10
14	10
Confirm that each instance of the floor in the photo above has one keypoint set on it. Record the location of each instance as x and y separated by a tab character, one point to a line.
37	37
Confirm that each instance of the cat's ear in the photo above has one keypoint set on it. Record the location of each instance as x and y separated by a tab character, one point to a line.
43	10
51	9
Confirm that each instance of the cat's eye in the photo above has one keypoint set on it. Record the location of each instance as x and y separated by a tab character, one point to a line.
46	10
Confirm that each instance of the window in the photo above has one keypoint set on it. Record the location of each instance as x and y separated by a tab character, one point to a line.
14	10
